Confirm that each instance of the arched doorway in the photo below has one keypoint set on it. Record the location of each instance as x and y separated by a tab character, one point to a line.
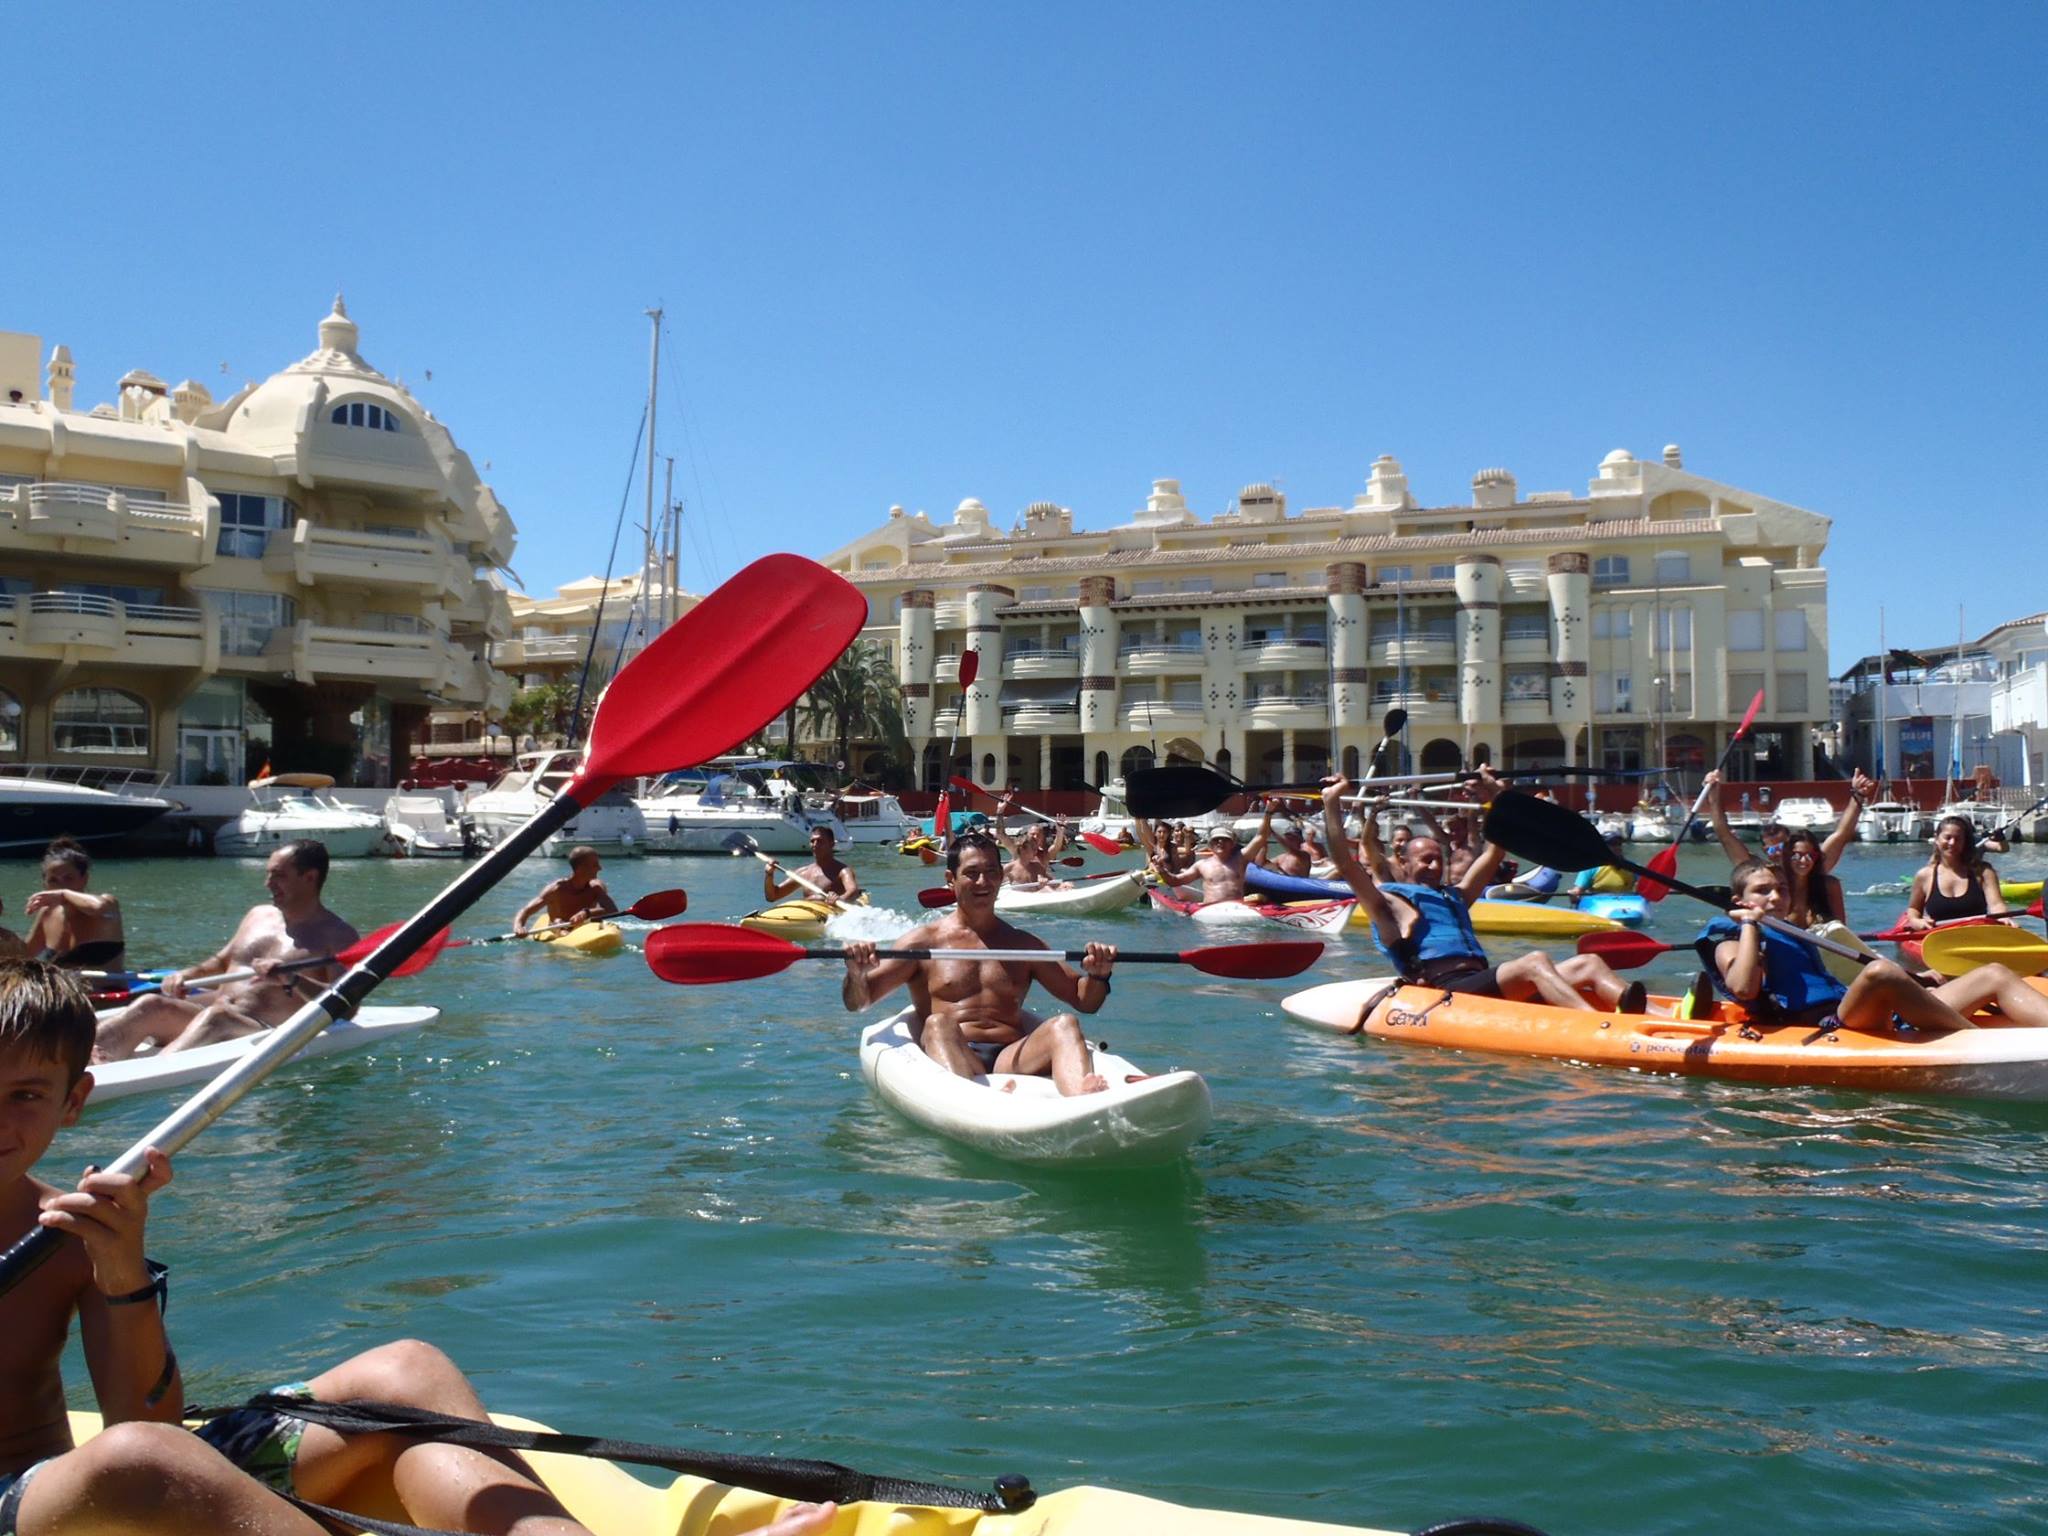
1181	750
1133	759
1441	755
1351	762
1223	759
1483	753
1101	766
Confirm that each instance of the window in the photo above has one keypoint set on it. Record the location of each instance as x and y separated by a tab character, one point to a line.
1527	688
1134	759
248	619
1102	768
1611	624
366	414
1790	627
130	597
102	720
1676	631
1150	588
1198	583
1674	568
1791	693
1394	573
1035	595
1611	692
1443	573
1270	579
1742	687
1187	692
1526	626
1610	571
246	522
1746	629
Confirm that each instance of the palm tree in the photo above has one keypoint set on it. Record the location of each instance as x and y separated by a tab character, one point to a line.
858	696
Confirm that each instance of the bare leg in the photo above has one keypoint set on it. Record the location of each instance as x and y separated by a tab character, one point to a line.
1995	984
214	1023
1883	989
157	1019
1593	976
141	1479
1056	1049
941	1040
1536	975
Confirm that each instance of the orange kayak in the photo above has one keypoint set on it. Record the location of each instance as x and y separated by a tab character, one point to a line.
1998	1061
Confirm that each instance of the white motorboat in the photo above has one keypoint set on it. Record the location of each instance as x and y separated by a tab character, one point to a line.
1984	815
874	818
296	807
427	824
40	802
1893	821
1807	814
698	809
612	824
1113	818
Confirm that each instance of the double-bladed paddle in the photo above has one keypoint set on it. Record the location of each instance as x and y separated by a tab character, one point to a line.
651	908
1952	951
709	681
698	954
1094	840
1665	864
144	983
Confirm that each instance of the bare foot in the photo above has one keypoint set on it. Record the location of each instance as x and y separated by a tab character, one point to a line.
802	1520
1008	1087
1094	1082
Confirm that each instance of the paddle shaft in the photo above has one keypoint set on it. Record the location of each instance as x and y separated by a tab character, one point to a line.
1007	956
796	879
1793	930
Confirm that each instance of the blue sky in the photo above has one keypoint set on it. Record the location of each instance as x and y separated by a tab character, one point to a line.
912	254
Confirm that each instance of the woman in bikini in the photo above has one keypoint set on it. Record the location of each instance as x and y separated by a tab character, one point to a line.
1958	882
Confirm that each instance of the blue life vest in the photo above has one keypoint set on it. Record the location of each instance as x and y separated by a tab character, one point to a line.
1542	879
1444	932
1794	977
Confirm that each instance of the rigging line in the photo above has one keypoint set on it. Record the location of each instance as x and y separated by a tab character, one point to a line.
604	589
711	534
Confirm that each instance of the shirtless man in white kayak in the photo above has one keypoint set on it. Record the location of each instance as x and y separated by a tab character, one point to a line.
973	1017
293	925
1032	854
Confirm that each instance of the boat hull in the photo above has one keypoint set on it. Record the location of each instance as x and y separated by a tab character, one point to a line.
1086	898
157	1071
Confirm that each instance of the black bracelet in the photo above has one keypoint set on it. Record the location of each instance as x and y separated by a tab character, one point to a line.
158	1289
1105	984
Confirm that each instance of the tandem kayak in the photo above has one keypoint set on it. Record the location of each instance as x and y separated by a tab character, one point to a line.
1303	917
796	921
1083	898
1996	1061
586	939
1140	1119
158	1070
610	1501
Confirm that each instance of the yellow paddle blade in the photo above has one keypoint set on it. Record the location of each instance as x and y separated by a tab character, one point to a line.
1952	951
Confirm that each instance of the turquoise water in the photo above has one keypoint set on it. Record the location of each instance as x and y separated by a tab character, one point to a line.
1391	1285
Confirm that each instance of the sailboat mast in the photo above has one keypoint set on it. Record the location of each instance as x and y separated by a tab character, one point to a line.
1884	704
670	555
647	556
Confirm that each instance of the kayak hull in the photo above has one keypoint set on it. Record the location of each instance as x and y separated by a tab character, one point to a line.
1995	1062
797	921
1623	907
1303	917
1137	1121
157	1071
594	939
1084	898
1525	919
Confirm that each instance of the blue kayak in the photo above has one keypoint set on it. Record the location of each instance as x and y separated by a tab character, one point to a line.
1271	882
1624	907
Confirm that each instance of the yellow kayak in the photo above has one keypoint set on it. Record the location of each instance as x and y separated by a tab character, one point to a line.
2022	891
1522	919
612	1503
796	921
588	939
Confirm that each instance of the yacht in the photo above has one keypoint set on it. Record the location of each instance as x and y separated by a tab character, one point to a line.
1894	821
1808	814
292	807
695	810
40	802
612	824
874	818
428	824
1984	815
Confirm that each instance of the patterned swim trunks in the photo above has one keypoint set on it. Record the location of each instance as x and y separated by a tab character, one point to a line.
261	1441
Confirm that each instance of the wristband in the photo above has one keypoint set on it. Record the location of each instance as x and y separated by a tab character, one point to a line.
158	1289
1105	984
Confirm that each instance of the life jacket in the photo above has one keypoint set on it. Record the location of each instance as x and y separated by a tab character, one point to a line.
1794	978
1444	932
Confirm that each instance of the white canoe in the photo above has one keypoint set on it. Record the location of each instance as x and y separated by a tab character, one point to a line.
149	1073
1084	898
1136	1121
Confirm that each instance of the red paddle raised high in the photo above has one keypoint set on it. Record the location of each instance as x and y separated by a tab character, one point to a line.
1664	865
698	954
708	682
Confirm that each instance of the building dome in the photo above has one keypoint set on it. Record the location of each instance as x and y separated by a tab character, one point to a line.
1619	456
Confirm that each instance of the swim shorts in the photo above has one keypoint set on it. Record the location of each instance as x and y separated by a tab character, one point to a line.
261	1441
986	1051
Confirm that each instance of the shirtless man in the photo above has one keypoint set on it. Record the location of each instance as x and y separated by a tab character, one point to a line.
972	1013
1293	857
578	897
66	914
1032	854
293	925
825	872
1221	871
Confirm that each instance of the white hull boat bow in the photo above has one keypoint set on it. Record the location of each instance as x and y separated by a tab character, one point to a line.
157	1070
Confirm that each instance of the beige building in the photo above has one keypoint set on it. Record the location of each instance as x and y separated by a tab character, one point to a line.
293	574
1624	627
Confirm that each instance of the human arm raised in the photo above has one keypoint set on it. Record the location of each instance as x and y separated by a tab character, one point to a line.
1351	869
1487	861
869	980
1861	788
1717	816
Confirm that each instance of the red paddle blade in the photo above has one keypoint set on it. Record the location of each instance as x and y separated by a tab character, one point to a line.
721	672
1623	950
656	905
418	960
1748	717
1074	862
1102	844
699	954
937	896
2035	910
1255	962
970	667
1664	863
966	787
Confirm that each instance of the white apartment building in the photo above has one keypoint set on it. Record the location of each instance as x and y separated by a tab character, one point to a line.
292	575
1627	626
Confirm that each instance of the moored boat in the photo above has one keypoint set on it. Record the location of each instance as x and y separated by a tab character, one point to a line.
291	807
1139	1120
612	824
427	824
1997	1061
40	802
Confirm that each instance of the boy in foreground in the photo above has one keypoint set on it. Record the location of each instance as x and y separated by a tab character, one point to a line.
143	1473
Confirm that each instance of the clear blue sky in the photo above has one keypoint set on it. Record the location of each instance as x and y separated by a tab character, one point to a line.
912	254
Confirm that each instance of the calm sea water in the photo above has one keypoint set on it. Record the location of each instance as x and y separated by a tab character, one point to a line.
1391	1285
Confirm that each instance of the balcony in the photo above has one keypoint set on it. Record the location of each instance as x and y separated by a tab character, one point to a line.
1281	652
1043	715
1437	648
1041	661
946	722
1287	709
103	521
1150	658
1435	705
1526	647
419	656
1161	714
483	608
55	626
1523	583
1526	711
949	616
407	562
519	653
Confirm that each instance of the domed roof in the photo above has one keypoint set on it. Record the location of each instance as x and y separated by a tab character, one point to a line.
1619	456
271	412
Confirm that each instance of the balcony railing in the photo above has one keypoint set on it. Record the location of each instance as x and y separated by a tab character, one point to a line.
1282	651
1174	648
1140	713
1041	712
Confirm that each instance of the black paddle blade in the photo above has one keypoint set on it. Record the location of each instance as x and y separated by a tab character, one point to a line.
1544	832
1176	789
1396	718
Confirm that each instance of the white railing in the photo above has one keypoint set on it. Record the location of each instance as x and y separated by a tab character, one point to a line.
1054	708
1157	648
74	602
1289	701
158	619
1032	652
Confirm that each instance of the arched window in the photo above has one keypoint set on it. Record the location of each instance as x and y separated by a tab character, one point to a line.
1351	762
1440	755
1222	760
104	720
10	722
1181	750
1101	766
934	765
364	413
1483	753
988	767
1134	759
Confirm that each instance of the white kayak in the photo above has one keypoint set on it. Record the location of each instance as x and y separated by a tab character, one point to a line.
155	1070
1137	1120
1303	917
1084	898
